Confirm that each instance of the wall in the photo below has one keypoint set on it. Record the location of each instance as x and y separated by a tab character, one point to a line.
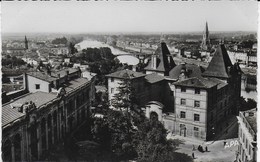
190	110
32	81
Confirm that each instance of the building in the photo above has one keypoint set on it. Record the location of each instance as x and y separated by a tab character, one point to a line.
247	136
205	45
56	105
147	87
189	100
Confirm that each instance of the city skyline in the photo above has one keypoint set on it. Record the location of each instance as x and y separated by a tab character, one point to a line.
129	17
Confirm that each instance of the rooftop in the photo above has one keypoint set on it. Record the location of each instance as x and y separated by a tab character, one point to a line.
218	66
10	114
123	74
196	83
54	74
192	70
153	78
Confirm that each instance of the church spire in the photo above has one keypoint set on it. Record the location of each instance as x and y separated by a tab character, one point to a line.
26	42
205	45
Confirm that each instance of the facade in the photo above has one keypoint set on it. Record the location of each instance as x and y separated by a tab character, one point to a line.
33	123
247	150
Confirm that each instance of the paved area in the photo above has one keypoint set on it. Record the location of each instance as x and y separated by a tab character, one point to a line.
217	152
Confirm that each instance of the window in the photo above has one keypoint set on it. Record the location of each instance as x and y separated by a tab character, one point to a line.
196	117
246	143
183	114
183	89
196	104
183	101
112	90
197	91
37	86
112	79
196	129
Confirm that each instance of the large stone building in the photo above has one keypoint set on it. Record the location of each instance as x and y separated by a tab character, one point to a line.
57	103
247	136
191	101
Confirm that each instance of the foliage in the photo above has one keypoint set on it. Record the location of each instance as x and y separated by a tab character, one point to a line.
247	104
72	48
12	61
62	40
125	98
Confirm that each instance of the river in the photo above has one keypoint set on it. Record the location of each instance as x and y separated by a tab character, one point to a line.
130	60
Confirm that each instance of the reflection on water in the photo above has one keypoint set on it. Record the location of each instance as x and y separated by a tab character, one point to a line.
130	60
96	44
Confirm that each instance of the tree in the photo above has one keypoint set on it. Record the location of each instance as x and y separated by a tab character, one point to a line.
125	99
152	145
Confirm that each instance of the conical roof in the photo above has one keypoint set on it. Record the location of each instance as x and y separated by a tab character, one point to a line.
218	67
165	63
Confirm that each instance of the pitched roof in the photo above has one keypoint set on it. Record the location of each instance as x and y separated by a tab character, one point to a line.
10	114
164	62
123	74
54	74
192	70
75	83
196	83
218	66
153	78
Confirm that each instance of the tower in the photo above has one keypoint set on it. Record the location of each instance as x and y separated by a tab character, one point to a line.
205	45
26	42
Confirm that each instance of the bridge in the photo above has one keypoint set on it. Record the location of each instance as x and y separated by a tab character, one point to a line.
140	56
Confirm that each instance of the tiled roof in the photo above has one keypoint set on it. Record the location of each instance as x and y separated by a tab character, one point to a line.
163	63
196	83
10	114
219	82
192	70
153	78
218	66
54	74
123	74
101	88
42	76
74	84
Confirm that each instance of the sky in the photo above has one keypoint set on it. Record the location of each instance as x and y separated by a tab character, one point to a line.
125	16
